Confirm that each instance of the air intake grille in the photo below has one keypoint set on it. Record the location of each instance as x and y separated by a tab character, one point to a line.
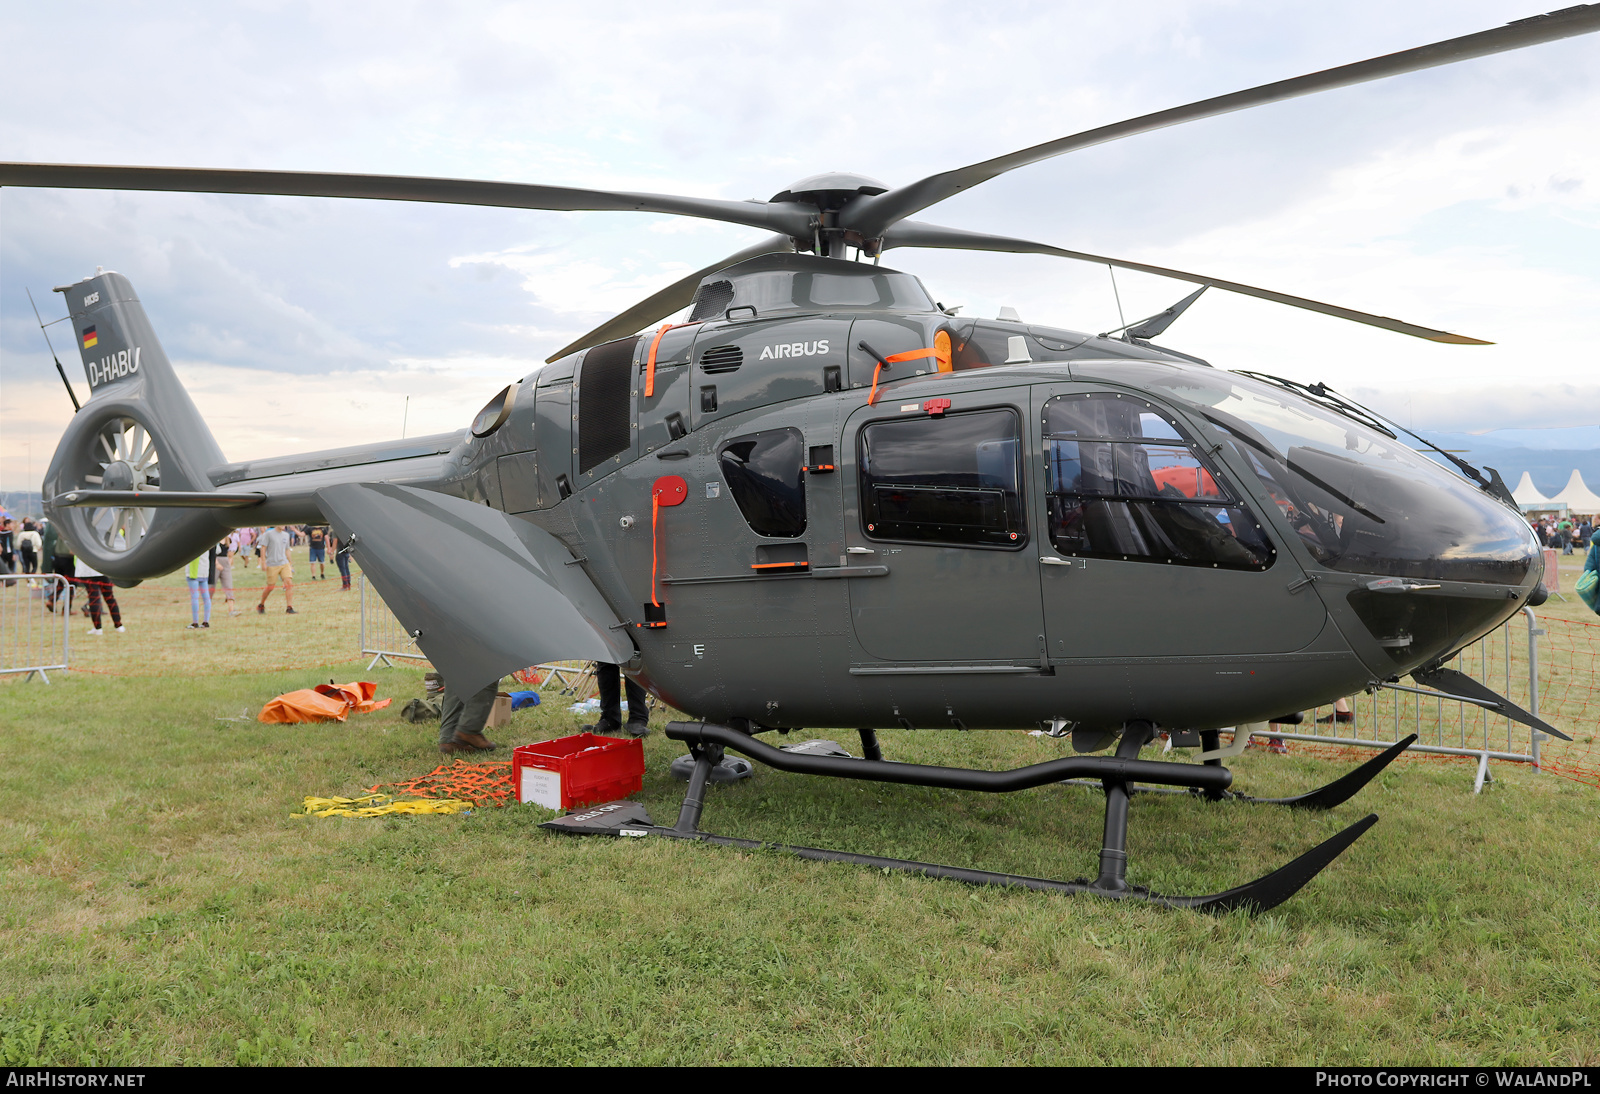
721	359
604	410
711	301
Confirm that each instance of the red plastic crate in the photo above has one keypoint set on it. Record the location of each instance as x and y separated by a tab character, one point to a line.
585	769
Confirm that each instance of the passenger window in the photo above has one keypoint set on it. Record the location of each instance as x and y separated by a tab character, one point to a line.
765	473
1124	482
952	479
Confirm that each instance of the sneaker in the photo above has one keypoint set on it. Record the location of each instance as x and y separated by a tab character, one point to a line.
261	609
1338	716
192	627
94	630
603	729
123	630
290	611
638	729
206	626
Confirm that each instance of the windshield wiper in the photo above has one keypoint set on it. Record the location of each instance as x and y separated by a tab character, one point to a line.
1324	395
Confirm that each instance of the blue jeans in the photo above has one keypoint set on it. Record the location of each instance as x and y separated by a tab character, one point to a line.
199	589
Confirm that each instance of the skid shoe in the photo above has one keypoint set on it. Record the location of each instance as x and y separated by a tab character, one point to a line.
707	743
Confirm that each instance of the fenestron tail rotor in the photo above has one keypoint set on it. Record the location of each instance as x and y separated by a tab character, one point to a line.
123	457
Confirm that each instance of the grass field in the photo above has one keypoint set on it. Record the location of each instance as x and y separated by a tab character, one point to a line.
158	903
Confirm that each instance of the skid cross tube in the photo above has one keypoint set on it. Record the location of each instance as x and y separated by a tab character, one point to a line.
956	778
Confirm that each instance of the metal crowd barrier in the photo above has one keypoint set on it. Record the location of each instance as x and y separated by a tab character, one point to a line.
1506	660
381	633
384	638
33	639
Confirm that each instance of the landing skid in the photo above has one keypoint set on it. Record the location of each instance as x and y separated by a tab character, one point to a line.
707	743
1335	793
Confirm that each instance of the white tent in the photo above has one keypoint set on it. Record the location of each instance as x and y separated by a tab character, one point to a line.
1528	494
1578	497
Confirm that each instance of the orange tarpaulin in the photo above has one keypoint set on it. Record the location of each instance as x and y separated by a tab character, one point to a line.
328	702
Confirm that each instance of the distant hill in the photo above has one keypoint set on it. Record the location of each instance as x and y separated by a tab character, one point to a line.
1550	467
22	503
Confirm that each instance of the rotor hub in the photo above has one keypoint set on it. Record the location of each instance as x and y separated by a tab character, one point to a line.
830	190
121	475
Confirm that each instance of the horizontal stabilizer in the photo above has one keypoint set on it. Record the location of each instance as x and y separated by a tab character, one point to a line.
156	499
483	593
1454	683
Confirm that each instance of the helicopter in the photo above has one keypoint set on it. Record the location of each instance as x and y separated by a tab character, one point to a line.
826	499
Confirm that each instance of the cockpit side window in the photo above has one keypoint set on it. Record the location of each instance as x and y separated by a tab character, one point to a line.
1125	482
955	479
766	476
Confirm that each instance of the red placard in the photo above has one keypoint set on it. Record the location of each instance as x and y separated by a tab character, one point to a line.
669	490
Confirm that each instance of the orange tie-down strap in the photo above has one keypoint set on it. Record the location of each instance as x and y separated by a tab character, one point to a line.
939	351
650	366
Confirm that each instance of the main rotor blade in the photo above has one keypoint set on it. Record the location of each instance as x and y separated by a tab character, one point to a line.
670	299
791	219
911	233
870	216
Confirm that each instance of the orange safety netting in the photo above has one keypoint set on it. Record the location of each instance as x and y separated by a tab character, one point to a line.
482	784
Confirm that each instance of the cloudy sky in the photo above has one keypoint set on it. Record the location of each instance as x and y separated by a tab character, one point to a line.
1465	198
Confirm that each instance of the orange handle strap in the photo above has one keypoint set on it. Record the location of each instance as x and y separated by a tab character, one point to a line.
894	359
650	369
655	509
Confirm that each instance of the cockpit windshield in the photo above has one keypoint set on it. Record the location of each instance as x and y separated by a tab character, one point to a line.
1360	501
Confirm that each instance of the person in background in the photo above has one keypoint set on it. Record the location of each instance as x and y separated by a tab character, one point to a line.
1564	535
222	570
8	553
317	536
274	549
244	546
1341	713
462	719
341	557
97	586
29	547
198	576
56	553
609	678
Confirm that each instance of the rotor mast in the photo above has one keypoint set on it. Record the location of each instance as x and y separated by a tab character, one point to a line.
829	193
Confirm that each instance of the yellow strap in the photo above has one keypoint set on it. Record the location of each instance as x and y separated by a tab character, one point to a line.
380	805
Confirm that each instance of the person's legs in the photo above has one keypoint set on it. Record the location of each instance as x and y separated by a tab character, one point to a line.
205	597
608	678
638	708
194	602
343	560
111	602
262	605
462	719
288	589
91	589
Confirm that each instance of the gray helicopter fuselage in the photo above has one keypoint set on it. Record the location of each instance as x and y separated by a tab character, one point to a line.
1008	524
816	618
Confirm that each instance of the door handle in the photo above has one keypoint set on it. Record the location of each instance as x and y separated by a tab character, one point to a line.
1050	560
859	551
